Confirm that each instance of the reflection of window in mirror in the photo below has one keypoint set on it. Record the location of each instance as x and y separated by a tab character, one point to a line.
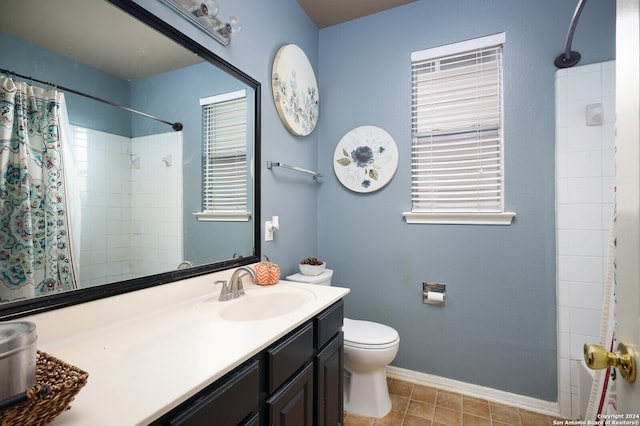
224	165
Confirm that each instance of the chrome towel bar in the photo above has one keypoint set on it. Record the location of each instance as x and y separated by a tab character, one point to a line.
271	164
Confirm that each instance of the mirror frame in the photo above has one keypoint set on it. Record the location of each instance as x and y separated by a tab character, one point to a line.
39	304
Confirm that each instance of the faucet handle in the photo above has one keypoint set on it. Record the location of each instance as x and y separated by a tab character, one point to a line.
225	293
240	286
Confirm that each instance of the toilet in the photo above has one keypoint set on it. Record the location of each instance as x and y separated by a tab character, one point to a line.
368	348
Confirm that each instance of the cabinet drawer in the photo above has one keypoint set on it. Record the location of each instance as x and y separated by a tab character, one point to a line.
289	356
240	391
329	323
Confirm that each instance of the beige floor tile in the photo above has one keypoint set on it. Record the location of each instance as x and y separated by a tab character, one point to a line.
416	421
505	414
471	420
476	407
393	418
351	420
450	400
399	403
424	410
419	405
534	419
424	394
447	416
399	387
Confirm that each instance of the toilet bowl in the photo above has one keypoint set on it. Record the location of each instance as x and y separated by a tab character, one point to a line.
368	348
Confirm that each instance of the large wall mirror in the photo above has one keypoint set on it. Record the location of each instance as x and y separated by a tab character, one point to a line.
137	189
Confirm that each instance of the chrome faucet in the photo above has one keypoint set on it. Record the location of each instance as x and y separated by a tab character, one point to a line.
234	288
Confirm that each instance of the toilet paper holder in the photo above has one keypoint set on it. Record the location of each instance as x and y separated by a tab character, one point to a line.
434	294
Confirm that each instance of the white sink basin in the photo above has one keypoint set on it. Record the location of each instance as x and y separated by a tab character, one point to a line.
264	304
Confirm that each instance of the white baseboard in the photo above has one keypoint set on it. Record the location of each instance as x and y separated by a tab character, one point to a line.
507	398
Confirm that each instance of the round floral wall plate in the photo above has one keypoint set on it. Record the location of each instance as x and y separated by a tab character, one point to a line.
295	90
365	159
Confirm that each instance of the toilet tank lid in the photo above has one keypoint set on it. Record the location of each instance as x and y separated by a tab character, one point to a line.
312	279
367	332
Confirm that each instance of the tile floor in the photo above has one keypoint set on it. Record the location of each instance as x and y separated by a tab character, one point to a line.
414	404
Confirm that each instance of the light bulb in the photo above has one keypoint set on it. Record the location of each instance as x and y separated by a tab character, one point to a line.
206	8
212	7
233	24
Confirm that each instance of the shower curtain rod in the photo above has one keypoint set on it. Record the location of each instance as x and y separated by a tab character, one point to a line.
175	126
569	58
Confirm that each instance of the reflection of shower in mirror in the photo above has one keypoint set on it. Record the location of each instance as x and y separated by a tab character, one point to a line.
131	200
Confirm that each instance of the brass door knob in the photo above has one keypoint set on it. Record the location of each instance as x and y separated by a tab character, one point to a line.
624	359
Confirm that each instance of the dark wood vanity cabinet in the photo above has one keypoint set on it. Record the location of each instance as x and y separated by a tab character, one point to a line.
328	364
239	389
297	381
329	375
292	405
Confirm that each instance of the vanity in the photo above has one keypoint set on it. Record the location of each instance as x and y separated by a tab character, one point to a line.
175	355
158	345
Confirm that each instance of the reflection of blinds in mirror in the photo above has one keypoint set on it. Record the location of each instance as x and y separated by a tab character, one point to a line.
224	135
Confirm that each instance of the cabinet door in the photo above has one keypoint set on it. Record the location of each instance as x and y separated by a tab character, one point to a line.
253	420
330	383
292	405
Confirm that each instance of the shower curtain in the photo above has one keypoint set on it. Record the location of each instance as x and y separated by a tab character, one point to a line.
35	242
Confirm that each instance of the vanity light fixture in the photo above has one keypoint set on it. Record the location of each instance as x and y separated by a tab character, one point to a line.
204	14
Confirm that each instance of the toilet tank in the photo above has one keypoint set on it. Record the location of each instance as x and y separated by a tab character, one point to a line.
324	278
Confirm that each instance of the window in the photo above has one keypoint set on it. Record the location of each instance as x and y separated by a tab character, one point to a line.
224	158
457	170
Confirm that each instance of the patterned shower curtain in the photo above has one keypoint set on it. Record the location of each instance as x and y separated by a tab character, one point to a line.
35	241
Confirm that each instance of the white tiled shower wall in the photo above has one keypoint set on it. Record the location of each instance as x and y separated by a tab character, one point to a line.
584	196
131	210
156	206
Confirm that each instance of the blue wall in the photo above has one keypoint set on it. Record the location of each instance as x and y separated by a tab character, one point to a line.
499	326
266	27
34	61
176	94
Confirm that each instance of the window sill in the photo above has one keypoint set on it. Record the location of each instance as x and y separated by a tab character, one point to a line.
460	218
223	216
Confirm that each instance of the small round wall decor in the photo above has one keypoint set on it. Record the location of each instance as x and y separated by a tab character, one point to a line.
295	90
365	159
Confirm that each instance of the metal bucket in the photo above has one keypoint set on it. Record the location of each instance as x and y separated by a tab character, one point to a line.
17	357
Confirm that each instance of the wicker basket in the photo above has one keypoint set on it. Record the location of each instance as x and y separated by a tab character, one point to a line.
57	384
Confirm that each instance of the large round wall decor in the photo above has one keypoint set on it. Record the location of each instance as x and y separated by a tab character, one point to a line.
295	90
365	159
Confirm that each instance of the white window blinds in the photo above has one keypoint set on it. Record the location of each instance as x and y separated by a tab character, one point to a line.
457	150
224	132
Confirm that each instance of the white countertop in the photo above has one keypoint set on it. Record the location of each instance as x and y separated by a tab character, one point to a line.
150	350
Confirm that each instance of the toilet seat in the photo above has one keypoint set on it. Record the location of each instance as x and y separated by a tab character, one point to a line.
369	335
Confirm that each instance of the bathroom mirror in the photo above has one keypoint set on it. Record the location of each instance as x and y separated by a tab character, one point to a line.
140	182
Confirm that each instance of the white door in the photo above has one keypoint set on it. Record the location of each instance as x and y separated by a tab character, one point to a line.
628	191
